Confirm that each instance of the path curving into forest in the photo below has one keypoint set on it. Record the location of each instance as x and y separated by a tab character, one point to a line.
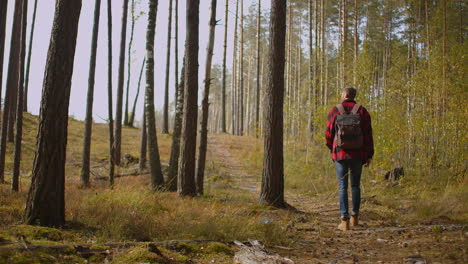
375	241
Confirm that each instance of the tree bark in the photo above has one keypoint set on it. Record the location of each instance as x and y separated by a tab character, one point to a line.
120	83
223	88
46	198
12	81
90	98
186	173
129	64
176	52
3	16
257	103
157	179
165	129
272	191
19	103
356	40
234	77
205	104
109	93
175	147
241	72
131	120
28	63
144	144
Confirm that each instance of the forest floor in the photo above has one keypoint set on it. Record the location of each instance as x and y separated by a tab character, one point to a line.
129	223
437	240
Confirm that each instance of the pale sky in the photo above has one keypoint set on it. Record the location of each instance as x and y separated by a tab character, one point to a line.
44	19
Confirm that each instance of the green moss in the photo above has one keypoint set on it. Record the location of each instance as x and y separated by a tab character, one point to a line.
99	247
187	249
38	232
218	248
140	255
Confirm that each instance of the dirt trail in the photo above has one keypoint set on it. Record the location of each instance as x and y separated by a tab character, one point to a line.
375	241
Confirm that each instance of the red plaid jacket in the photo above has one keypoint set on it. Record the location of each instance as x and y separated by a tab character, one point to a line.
367	151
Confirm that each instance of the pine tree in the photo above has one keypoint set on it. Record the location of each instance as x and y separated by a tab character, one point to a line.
46	198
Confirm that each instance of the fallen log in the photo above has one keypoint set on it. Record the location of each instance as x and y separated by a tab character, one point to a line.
257	254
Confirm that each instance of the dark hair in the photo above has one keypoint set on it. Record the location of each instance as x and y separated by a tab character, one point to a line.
350	92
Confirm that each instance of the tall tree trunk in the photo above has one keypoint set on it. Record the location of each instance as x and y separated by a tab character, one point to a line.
3	17
176	52
157	179
223	88
143	144
129	64
241	72
12	81
272	192
120	83
46	198
205	104
28	63
234	76
19	103
257	103
90	98
186	173
311	77
356	41
131	120
165	129
175	147
109	93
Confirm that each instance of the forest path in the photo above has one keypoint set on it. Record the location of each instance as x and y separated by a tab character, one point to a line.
375	241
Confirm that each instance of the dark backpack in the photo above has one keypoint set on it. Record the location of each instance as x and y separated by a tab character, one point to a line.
348	132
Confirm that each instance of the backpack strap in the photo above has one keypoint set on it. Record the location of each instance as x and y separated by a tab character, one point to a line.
340	109
355	108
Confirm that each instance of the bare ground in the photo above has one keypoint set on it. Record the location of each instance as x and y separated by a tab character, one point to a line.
375	241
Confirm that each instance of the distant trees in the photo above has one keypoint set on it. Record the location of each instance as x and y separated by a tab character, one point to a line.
272	191
186	173
223	92
12	83
46	200
157	179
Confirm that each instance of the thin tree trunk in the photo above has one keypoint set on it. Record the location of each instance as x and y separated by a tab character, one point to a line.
257	103
186	173
3	16
165	128
310	111
120	84
143	144
129	63
205	104
109	93
131	120
176	53
356	41
241	72
157	179
223	88
19	103
46	198
272	192
175	147
12	81
28	63
90	98
234	76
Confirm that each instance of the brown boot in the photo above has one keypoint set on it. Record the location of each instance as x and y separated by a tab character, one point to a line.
354	220
344	225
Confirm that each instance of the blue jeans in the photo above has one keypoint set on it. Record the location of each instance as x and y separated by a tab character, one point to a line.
355	168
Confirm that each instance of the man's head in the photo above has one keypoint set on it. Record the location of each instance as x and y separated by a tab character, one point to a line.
349	93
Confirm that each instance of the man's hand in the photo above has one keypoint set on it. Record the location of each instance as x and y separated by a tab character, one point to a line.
367	163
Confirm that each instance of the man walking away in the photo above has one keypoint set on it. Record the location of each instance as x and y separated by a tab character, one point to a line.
349	138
